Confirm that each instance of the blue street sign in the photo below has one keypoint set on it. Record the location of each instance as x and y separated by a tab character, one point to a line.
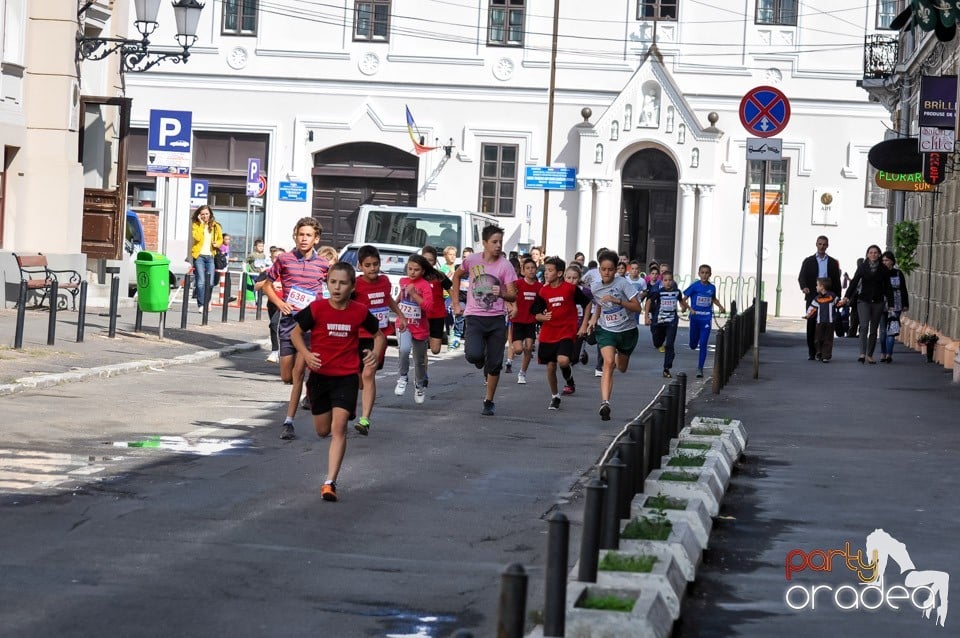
199	192
253	176
169	143
293	191
549	178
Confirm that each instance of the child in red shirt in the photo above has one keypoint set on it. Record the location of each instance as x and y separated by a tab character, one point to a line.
556	308
415	298
334	359
524	324
373	291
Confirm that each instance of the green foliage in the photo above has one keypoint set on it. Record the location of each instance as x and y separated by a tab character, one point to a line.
906	238
688	477
687	460
706	430
693	445
656	527
607	603
664	502
928	337
613	562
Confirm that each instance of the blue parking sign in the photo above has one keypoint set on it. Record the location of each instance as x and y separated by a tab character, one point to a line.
169	143
199	192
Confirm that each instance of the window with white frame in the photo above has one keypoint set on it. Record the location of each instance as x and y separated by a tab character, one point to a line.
782	12
505	24
372	21
778	179
239	17
498	179
876	197
887	10
657	10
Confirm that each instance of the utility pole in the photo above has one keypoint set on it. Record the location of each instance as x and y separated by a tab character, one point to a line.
553	81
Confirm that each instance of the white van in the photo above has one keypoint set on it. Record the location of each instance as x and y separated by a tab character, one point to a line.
419	227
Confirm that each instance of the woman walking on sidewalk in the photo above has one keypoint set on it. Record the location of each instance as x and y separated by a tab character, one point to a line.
873	279
206	236
901	302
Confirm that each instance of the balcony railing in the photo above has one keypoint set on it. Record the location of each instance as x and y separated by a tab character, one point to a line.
879	56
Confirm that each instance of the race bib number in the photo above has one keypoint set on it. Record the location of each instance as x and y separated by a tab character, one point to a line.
382	314
410	310
668	305
702	302
614	316
300	298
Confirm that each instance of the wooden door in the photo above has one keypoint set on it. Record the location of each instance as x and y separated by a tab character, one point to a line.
337	201
104	212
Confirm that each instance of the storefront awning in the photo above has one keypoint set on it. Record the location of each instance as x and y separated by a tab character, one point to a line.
899	155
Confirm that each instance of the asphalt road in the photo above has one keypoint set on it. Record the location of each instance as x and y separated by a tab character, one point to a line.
219	530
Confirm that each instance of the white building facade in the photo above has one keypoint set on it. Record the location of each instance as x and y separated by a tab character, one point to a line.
319	91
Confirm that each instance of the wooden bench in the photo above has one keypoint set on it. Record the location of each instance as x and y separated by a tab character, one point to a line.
38	275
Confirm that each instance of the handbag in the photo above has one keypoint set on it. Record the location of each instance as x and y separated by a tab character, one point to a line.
219	260
893	327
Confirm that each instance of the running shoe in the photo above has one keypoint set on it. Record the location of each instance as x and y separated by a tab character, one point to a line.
598	373
554	404
329	492
666	374
305	402
569	389
699	373
274	357
401	386
584	358
455	344
287	433
509	367
662	349
522	378
362	426
605	411
419	396
489	409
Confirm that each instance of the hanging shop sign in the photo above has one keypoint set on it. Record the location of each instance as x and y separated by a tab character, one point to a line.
912	182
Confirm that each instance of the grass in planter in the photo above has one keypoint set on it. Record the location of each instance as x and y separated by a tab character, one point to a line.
649	528
613	562
607	603
706	430
693	445
664	502
687	460
679	476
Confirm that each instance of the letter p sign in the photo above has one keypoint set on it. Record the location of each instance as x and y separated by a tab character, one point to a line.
169	128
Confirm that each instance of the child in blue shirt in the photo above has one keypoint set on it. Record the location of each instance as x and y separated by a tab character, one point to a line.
660	313
702	296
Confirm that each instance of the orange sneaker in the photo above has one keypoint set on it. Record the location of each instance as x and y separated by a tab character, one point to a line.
329	492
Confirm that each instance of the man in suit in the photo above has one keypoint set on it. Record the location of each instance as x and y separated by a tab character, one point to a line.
818	265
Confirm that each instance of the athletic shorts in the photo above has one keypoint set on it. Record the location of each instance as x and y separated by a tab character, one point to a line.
366	343
437	327
284	329
624	341
328	392
548	352
524	331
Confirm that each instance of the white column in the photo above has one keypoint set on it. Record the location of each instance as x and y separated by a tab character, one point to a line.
705	224
584	216
607	226
683	260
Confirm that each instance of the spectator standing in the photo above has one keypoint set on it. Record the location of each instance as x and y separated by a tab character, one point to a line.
206	236
901	303
816	266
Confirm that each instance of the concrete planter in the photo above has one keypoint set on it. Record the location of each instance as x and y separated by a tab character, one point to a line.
712	462
707	487
734	424
726	438
649	618
682	543
716	445
694	514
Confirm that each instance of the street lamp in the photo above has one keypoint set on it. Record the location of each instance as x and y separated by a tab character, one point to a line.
136	55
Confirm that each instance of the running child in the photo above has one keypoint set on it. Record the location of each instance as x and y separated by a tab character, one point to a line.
660	313
301	273
638	282
610	320
437	312
334	359
524	323
556	309
703	297
572	276
372	289
414	300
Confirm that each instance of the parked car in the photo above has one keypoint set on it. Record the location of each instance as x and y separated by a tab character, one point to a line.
393	263
133	243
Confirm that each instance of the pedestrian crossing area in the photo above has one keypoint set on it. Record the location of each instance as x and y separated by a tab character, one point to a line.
27	471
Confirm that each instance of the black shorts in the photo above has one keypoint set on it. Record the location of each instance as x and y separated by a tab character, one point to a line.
548	352
284	329
366	343
328	392
438	327
524	331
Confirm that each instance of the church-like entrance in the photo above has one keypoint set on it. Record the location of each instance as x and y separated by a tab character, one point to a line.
648	205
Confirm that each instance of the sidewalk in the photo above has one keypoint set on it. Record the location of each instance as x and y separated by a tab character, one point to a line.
836	451
38	364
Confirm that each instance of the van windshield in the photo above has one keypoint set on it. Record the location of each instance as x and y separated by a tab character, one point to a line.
413	229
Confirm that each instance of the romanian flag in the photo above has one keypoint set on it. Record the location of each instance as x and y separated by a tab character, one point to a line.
418	148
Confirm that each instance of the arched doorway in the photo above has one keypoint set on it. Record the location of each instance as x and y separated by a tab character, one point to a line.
648	219
350	175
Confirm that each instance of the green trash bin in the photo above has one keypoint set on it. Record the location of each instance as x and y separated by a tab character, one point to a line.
153	281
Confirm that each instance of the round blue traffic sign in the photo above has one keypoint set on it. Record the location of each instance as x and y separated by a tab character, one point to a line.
764	111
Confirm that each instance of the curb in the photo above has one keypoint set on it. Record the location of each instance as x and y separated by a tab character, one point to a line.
116	369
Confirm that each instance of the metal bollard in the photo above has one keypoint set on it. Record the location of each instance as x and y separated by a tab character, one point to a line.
21	316
658	438
513	602
138	320
259	305
682	418
186	302
610	522
640	435
226	297
626	450
243	296
555	603
82	313
205	314
114	305
667	398
719	363
590	541
676	398
461	633
52	319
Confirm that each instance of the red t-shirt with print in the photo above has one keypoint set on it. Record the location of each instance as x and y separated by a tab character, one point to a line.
526	294
335	334
375	295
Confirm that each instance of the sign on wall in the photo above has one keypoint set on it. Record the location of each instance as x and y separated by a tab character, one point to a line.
938	101
550	178
169	141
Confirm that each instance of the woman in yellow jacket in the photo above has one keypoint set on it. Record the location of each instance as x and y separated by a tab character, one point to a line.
206	237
